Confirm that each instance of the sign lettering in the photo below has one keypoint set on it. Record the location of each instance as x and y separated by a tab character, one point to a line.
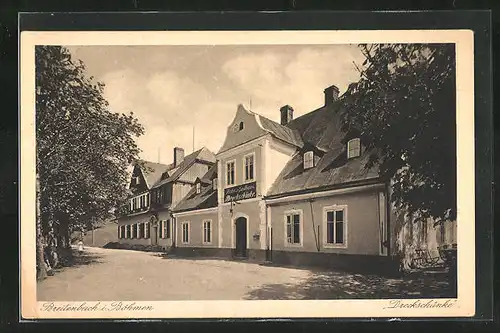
241	192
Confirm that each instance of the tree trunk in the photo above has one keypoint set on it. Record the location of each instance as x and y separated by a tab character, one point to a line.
64	246
42	270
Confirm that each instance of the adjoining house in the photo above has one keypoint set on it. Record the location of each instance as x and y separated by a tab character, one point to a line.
156	188
296	192
197	218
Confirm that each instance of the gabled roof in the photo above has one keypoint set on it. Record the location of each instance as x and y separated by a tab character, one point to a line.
152	171
207	198
202	154
322	128
281	132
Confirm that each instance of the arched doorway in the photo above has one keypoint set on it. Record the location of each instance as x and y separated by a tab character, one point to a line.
241	237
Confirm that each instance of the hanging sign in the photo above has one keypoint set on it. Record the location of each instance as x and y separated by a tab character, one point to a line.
240	192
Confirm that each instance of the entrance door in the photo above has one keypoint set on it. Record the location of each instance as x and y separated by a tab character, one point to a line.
241	237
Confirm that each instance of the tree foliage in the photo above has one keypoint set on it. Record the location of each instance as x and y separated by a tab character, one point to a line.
405	112
83	149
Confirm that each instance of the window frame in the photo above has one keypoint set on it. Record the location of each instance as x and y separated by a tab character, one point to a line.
311	154
188	228
203	239
168	229
335	208
198	188
349	149
233	162
135	230
244	162
147	231
292	212
161	229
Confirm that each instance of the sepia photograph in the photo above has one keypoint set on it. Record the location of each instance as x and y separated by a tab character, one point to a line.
309	169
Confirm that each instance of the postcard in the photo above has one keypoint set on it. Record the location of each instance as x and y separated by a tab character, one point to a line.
247	174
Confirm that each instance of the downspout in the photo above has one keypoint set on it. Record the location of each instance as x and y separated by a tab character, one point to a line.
316	237
267	233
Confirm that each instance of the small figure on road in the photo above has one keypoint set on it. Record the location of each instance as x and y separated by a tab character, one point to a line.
80	246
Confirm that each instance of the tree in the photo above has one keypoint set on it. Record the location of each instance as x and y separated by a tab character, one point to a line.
405	112
83	149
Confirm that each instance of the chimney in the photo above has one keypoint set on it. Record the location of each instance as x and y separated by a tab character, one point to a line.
286	114
331	94
178	156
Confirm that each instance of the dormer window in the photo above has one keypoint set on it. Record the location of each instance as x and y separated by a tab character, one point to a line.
308	159
353	148
214	184
135	180
240	127
198	188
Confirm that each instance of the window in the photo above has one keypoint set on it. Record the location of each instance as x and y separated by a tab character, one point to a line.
336	226
249	167
293	228
167	229
230	173
214	184
134	230
139	202
207	232
146	229
119	232
135	180
129	227
353	148
240	127
161	228
198	188
141	230
308	159
185	233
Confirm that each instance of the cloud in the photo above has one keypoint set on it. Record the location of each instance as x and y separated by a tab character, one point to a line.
172	90
169	106
276	79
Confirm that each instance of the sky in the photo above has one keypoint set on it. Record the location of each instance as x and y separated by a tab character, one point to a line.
173	89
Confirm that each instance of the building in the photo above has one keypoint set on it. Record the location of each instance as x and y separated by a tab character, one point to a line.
156	188
297	192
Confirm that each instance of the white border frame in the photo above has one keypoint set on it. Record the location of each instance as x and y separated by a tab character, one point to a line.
462	306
